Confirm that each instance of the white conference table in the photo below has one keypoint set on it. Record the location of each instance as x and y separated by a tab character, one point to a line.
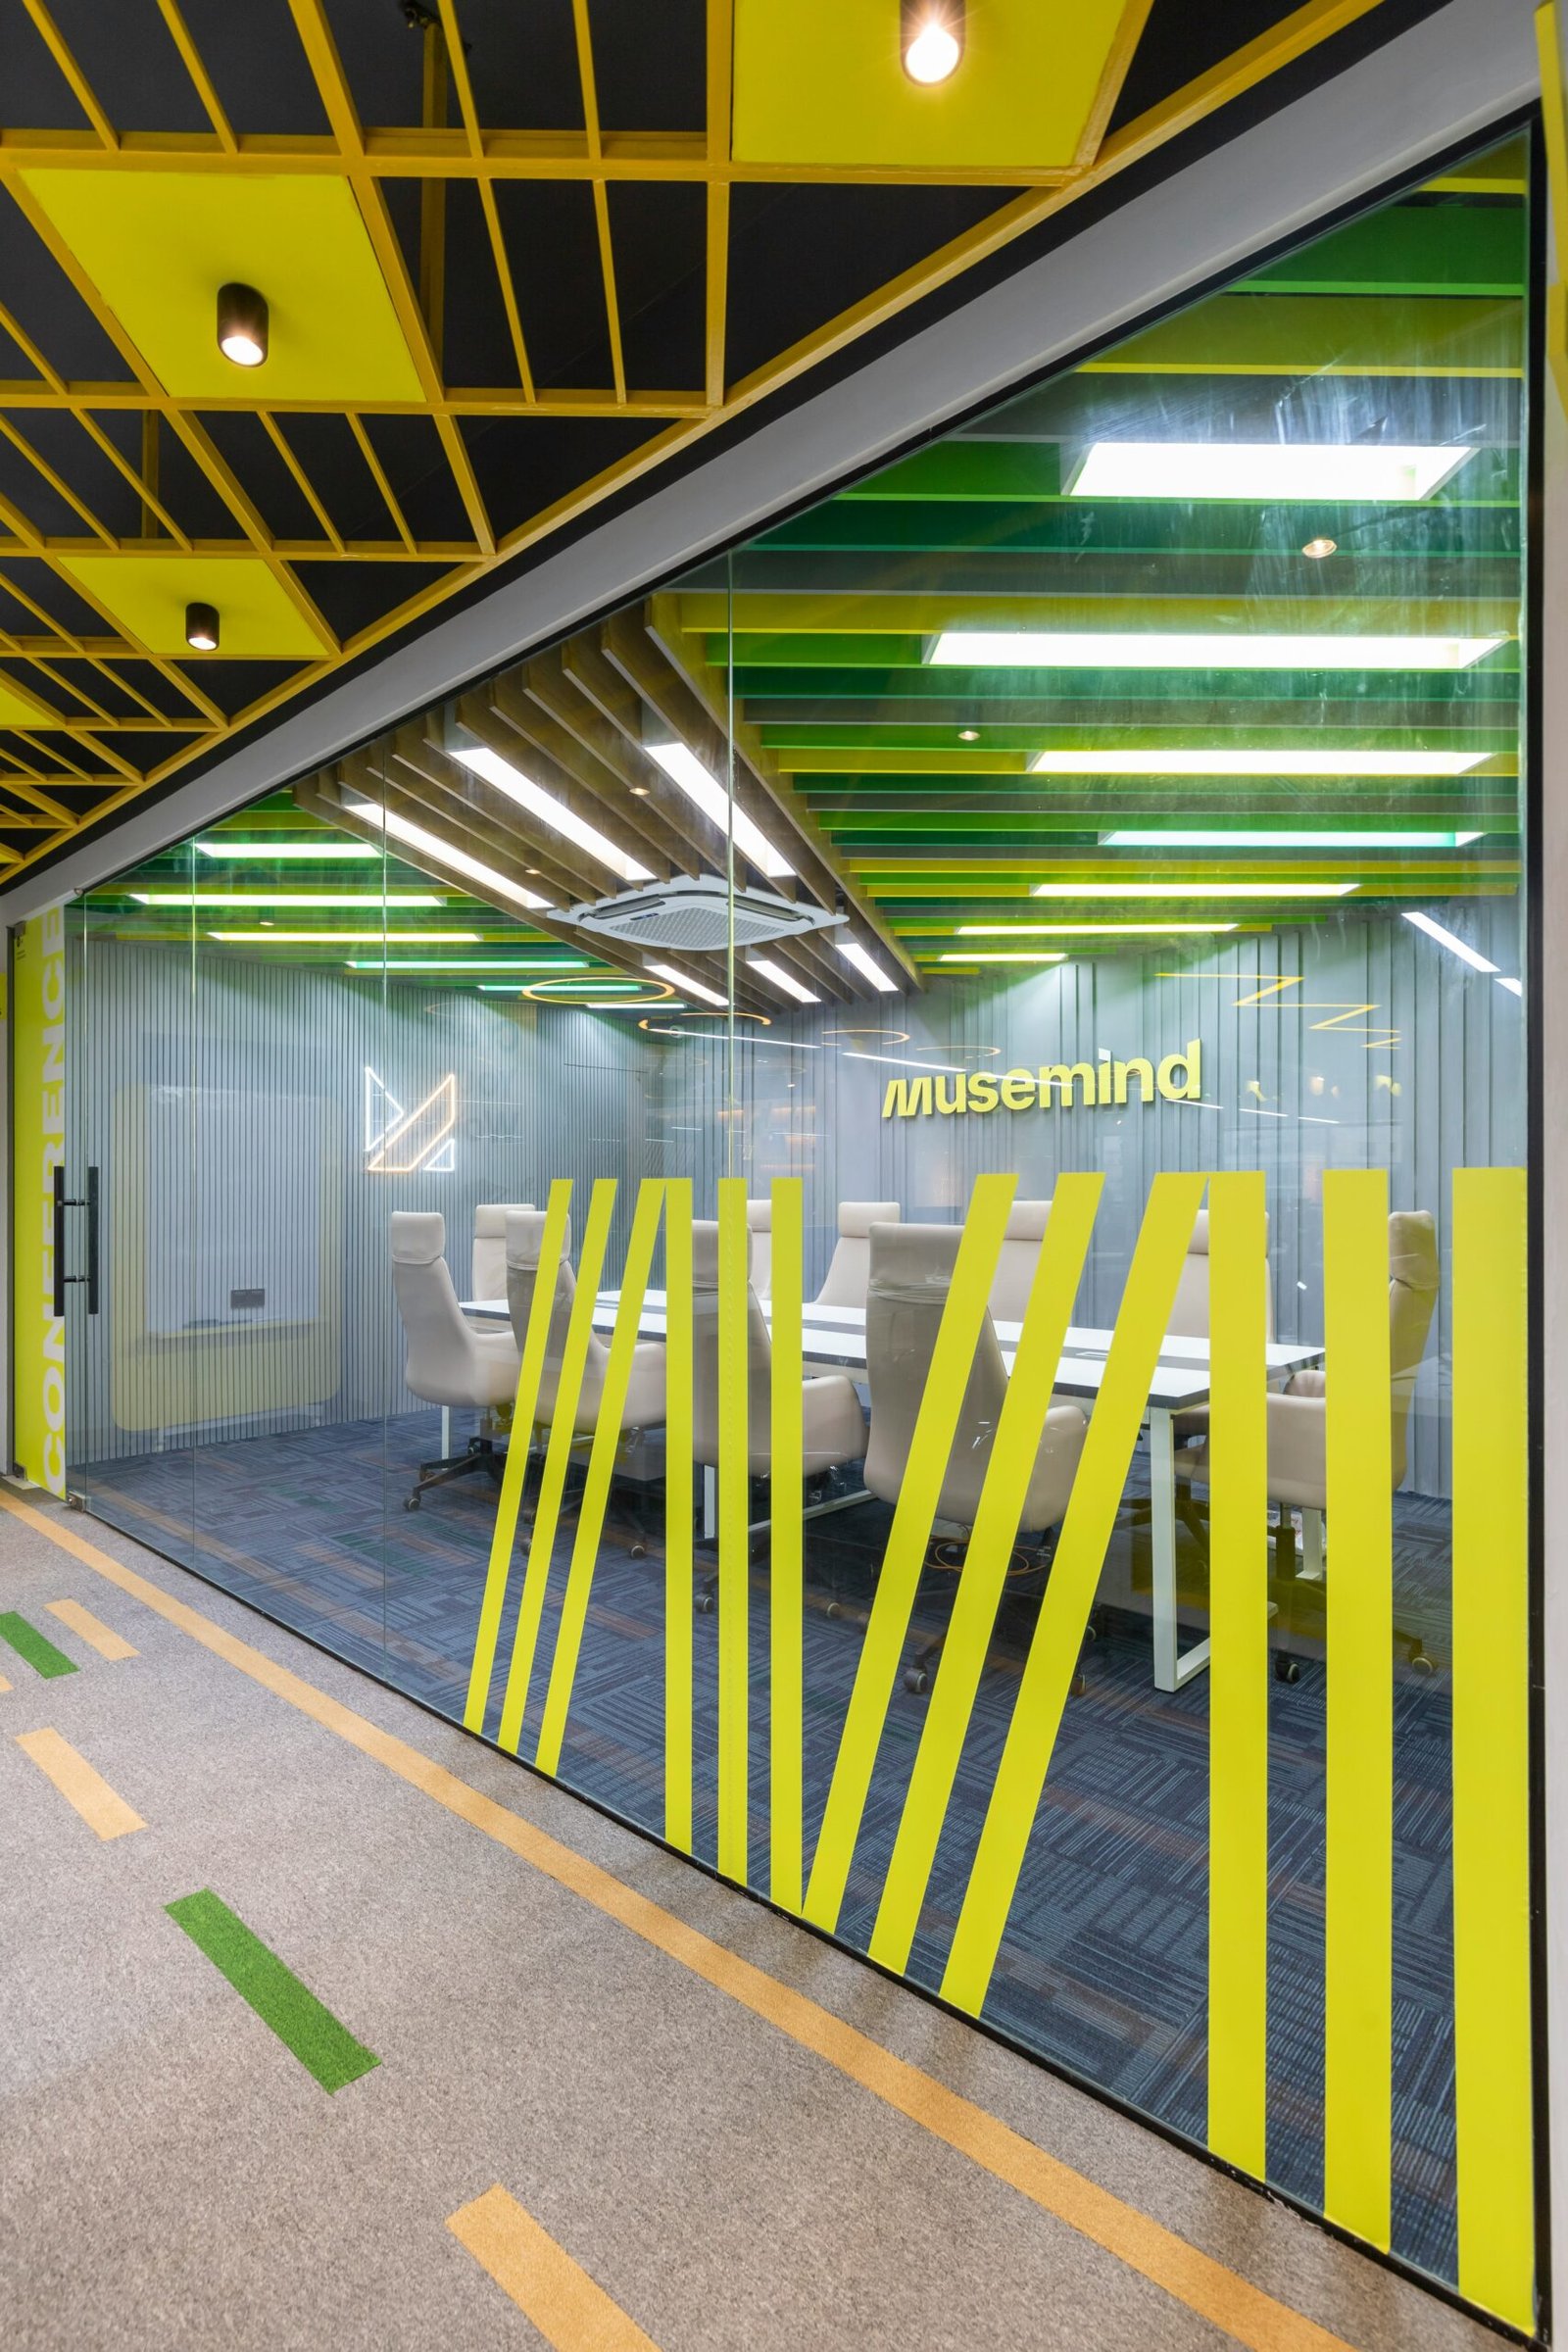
833	1339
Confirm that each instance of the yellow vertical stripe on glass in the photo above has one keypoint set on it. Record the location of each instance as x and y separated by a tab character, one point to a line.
1096	1494
734	1540
785	1568
1492	1743
601	1469
504	1536
558	1454
1058	1271
951	1360
678	1512
1238	1671
1358	1901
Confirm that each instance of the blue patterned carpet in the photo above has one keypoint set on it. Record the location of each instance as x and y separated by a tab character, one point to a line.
1104	1968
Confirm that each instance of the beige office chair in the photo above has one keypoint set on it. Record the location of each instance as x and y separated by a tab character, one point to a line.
450	1360
910	1275
1189	1314
645	1392
832	1424
1298	1456
488	1279
760	1217
851	1267
1018	1257
643	1407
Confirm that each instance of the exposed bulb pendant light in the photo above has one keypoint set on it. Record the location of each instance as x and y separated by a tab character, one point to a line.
242	324
201	627
931	38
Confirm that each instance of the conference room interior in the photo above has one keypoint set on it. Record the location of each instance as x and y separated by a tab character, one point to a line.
948	895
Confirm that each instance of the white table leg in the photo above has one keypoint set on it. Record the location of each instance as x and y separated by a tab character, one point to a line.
1162	1544
1311	1547
1172	1668
709	1503
446	1433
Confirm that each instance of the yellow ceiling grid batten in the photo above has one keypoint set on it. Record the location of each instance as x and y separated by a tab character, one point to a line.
820	82
160	250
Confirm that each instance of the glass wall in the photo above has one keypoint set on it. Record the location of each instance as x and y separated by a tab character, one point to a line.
876	1211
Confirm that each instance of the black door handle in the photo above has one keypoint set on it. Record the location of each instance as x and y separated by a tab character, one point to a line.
63	1280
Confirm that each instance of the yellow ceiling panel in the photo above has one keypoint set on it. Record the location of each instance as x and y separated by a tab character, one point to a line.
159	244
19	709
822	81
258	621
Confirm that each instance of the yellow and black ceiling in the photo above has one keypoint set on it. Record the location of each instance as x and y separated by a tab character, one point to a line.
517	253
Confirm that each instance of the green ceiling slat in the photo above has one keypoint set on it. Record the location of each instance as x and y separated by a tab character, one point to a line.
1407	536
1410	249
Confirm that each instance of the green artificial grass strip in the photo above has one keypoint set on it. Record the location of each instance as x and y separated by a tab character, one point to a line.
324	2048
27	1642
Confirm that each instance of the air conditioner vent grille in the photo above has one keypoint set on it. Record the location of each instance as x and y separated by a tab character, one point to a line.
693	914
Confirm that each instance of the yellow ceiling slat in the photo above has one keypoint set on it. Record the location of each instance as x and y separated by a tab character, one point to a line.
81	87
721	127
1311	334
378	472
766	613
201	80
306	486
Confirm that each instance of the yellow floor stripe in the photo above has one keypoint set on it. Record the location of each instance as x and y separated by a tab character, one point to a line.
570	2310
1492	1743
558	1454
904	1556
1069	1594
734	1542
4	1684
504	1534
1358	1838
786	1563
601	1468
89	1792
92	1630
1238	1672
1192	2277
1059	1270
678	1564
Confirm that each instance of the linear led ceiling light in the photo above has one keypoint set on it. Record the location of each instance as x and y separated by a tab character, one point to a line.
867	966
365	901
1009	955
463	963
349	939
1193	890
1370	472
1125	649
404	829
694	988
242	324
200	628
1446	938
775	974
683	767
287	849
1185	839
548	809
1066	930
1262	762
931	38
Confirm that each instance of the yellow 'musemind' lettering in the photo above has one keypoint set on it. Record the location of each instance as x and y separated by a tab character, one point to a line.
1058	1085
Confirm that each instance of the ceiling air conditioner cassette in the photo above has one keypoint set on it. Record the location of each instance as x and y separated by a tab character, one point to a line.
694	913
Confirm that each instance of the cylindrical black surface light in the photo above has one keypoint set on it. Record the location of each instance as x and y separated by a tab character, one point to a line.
931	38
201	627
242	324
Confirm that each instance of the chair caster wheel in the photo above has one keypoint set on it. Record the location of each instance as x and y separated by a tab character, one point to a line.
833	1609
1079	1684
638	1551
1286	1670
916	1678
1091	1631
1420	1663
703	1604
411	1502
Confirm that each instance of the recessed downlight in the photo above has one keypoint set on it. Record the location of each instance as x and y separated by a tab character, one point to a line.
931	38
242	324
1318	548
200	628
